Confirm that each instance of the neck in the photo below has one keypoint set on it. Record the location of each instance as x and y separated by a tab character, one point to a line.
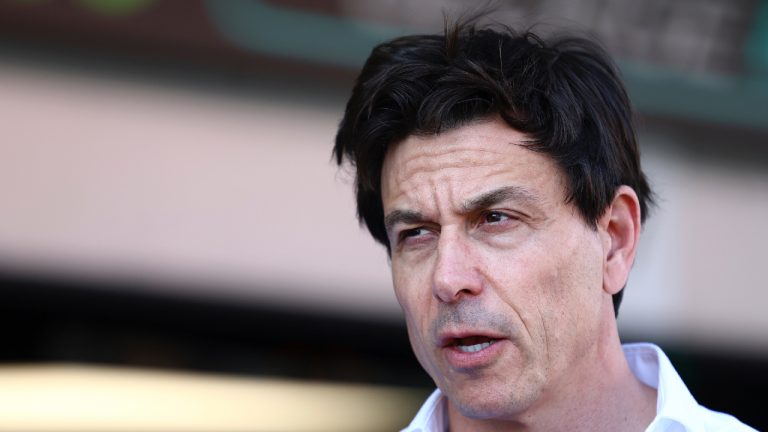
598	393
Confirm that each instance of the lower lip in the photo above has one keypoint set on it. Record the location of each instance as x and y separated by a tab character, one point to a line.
473	360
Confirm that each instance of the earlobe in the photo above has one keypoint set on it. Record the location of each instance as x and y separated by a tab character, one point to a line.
620	226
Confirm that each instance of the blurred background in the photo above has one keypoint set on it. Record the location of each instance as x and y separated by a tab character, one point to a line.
179	252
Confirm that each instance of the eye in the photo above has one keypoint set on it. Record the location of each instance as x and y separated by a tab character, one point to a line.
494	217
414	237
413	232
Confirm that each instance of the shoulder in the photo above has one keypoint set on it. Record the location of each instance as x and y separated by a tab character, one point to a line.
713	421
676	409
698	419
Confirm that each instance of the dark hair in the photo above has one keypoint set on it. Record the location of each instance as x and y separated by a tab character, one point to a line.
564	94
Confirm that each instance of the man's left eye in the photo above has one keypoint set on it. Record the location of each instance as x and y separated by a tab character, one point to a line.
494	217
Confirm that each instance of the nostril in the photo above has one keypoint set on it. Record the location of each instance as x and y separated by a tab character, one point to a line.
453	293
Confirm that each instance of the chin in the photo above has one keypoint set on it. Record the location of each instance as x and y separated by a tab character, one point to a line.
482	411
504	402
487	405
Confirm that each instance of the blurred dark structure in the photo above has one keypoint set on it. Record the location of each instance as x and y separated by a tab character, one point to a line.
49	318
685	61
53	319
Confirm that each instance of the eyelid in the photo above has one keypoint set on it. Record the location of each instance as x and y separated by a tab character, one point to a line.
406	230
507	216
505	213
401	235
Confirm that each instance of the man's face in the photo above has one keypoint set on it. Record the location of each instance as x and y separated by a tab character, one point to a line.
499	278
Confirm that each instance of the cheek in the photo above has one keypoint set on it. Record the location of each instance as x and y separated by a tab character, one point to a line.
571	287
519	276
403	290
581	274
412	285
414	298
548	285
413	293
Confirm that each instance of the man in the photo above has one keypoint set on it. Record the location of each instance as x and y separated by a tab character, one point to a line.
503	177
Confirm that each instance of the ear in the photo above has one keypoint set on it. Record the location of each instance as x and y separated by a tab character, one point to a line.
620	230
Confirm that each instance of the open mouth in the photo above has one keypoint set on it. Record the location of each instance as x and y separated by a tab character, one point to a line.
472	344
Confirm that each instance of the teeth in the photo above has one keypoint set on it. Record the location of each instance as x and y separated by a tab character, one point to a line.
474	348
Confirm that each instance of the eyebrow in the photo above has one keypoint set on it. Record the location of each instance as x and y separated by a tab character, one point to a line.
482	201
499	195
401	216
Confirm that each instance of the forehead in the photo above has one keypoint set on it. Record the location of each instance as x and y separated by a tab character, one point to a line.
466	161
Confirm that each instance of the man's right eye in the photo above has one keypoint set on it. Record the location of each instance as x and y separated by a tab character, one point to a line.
413	234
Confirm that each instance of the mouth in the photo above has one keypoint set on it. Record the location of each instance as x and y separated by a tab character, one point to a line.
471	351
469	344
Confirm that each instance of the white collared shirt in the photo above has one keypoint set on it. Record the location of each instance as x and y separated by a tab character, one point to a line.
676	409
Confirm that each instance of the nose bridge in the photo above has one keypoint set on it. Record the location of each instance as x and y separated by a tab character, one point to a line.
455	271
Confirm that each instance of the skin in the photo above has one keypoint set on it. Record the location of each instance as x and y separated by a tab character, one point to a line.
485	245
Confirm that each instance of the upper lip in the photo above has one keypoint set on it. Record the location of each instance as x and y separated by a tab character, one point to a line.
447	338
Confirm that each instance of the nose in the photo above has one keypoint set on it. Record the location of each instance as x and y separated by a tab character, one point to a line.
455	273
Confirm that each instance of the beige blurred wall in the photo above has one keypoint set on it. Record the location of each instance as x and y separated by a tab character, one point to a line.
109	177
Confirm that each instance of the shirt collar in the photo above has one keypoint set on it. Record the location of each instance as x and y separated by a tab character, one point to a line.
674	403
432	417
